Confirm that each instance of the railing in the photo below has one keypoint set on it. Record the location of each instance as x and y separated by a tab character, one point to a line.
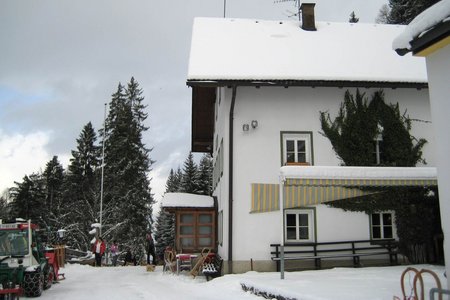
337	250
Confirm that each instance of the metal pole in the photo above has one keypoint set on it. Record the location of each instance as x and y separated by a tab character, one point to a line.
224	7
103	165
281	195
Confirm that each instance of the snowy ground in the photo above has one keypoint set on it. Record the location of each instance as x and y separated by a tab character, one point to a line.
85	282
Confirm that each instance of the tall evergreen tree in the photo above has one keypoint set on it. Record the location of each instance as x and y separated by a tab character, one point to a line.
56	215
189	179
128	198
82	188
165	221
205	175
29	199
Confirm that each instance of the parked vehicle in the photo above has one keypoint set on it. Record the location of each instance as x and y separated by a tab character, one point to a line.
26	267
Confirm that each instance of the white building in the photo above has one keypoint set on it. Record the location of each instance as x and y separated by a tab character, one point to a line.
258	88
428	35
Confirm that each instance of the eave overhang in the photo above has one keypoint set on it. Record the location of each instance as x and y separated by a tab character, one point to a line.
432	40
308	83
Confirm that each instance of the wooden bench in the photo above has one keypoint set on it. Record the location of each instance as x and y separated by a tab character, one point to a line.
213	268
336	250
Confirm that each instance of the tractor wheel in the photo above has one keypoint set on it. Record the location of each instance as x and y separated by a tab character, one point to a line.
33	284
49	277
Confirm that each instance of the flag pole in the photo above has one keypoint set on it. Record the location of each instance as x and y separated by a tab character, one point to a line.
103	166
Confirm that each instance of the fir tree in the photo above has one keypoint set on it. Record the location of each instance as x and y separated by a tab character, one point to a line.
128	199
205	175
164	232
56	213
29	199
189	179
172	183
353	18
82	188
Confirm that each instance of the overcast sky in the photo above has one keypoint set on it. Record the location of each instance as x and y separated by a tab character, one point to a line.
61	60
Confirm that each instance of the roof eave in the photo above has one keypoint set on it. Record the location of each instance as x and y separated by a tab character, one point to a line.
309	83
430	41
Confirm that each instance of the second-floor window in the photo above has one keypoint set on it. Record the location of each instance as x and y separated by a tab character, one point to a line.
297	147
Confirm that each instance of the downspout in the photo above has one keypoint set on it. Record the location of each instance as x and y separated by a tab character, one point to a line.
230	185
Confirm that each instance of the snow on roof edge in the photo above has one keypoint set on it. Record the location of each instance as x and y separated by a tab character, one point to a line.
426	20
186	200
333	172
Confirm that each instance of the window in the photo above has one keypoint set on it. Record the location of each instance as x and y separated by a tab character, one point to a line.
296	148
196	230
299	225
378	151
382	225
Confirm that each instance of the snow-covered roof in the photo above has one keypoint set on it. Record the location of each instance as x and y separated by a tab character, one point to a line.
243	49
440	12
333	172
187	200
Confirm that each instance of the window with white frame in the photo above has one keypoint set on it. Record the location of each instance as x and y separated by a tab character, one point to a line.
297	147
382	225
299	225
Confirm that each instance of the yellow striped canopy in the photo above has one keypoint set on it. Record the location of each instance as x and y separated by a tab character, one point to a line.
305	192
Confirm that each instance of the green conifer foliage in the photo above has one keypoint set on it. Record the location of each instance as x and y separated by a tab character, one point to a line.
352	134
127	199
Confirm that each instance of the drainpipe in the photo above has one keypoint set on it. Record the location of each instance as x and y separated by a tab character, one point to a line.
230	185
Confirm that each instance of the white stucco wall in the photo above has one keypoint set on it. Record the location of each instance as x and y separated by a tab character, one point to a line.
257	158
438	67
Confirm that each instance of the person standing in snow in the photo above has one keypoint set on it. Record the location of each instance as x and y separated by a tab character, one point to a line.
99	249
150	247
114	252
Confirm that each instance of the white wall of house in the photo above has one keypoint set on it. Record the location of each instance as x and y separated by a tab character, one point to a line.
438	67
257	158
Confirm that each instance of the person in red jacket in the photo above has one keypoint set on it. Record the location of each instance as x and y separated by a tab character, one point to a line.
98	248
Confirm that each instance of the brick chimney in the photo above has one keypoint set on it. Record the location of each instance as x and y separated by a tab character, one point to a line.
308	22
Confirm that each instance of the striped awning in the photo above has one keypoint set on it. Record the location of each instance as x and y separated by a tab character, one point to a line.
265	197
312	185
360	182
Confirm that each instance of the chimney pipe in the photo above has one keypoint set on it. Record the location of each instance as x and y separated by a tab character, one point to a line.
308	22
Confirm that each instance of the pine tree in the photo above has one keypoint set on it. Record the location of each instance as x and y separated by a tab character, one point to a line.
29	199
56	215
82	189
205	175
353	18
171	184
128	199
165	221
404	11
164	232
189	179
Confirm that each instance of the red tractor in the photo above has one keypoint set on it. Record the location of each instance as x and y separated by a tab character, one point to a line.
26	267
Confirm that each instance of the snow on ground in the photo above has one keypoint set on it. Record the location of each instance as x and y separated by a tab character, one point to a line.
86	282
